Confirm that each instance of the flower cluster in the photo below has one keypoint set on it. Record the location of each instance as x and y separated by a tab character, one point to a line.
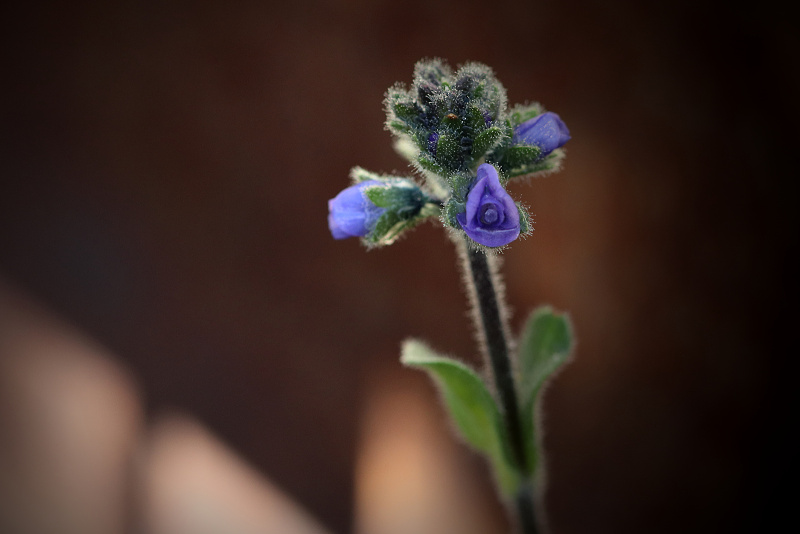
457	132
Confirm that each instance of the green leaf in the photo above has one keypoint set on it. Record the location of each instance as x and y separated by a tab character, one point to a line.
545	346
470	405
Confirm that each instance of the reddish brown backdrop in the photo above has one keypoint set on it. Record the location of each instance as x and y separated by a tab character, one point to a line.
165	172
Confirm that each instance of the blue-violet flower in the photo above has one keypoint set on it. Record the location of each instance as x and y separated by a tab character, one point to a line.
492	218
351	214
547	131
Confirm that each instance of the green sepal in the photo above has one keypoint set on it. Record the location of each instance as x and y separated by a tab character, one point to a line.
431	209
378	195
385	224
485	141
545	346
515	157
461	184
387	229
523	112
448	153
434	71
551	163
402	111
405	199
525	226
398	127
471	406
406	206
426	162
451	209
360	174
407	112
484	89
475	119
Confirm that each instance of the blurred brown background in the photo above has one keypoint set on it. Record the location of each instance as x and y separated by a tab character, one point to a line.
165	172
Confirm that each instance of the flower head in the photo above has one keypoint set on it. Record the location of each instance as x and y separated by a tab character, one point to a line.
492	218
547	131
351	213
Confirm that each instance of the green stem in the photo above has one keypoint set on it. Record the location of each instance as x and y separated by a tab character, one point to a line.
493	332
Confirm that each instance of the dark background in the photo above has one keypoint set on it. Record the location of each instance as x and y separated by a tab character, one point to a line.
165	171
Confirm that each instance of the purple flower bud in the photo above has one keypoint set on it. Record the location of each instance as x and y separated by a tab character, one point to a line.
351	214
492	218
432	140
547	131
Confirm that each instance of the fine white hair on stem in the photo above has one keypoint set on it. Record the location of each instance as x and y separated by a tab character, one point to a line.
495	262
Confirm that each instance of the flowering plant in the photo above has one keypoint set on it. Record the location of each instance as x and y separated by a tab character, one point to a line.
457	133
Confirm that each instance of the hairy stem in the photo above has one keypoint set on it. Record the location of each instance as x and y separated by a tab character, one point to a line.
493	334
523	500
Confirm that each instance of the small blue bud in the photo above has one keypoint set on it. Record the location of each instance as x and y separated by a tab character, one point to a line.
351	214
432	140
547	131
492	218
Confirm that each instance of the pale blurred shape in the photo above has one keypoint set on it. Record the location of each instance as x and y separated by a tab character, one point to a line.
192	484
411	474
68	421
